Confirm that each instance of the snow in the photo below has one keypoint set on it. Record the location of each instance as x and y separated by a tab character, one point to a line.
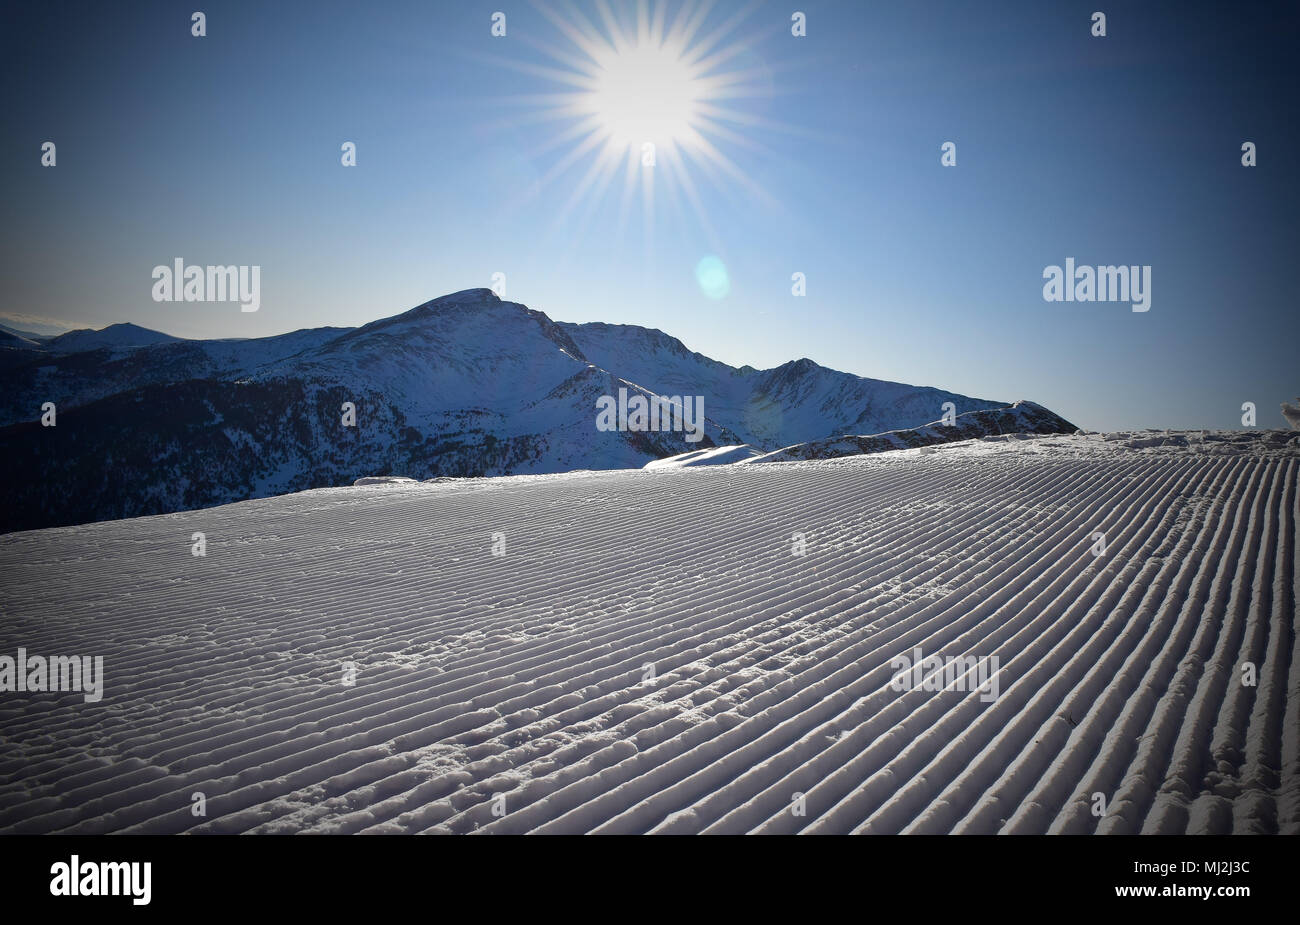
716	456
796	402
1019	420
1292	414
519	680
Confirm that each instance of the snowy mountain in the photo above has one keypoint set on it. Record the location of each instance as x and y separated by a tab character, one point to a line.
793	403
463	385
17	341
115	335
1022	417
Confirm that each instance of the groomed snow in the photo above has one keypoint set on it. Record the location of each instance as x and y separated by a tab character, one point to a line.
515	683
714	456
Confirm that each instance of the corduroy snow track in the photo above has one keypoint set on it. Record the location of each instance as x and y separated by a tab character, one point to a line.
649	654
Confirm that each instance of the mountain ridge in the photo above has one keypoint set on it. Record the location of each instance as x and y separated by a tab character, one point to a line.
466	384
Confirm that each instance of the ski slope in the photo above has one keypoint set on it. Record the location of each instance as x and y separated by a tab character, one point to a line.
508	694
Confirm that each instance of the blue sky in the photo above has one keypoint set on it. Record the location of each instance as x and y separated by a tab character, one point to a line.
1118	150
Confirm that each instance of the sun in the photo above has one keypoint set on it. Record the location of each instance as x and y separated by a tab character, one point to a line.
644	94
653	99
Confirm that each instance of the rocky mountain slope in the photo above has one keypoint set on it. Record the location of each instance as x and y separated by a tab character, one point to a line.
463	385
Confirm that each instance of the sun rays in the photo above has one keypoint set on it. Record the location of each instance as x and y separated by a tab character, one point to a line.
646	98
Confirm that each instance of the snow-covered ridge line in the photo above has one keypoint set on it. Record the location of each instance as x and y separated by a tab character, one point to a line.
1022	419
465	385
509	693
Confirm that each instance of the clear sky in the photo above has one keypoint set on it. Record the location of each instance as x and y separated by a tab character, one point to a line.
1125	149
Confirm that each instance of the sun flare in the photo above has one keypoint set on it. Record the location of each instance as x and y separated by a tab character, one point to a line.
644	94
653	99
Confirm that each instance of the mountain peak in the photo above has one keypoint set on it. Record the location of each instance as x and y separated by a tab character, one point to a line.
466	297
794	369
123	334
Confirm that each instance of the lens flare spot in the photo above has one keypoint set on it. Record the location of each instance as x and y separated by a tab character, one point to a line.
711	274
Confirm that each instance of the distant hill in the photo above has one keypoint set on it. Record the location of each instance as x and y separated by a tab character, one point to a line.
115	335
